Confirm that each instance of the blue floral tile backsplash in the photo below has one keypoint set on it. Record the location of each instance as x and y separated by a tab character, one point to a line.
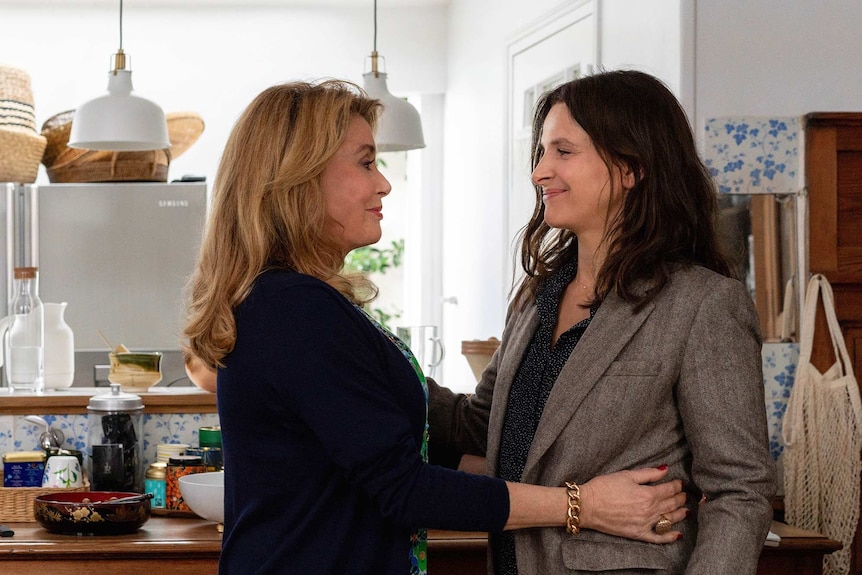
754	155
18	434
779	373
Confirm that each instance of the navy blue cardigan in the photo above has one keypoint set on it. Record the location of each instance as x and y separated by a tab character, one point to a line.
322	418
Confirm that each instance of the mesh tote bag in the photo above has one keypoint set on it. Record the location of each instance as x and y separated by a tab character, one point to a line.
823	437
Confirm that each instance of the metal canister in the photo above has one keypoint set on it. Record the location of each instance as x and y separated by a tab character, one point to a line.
156	483
178	467
23	468
211	457
210	436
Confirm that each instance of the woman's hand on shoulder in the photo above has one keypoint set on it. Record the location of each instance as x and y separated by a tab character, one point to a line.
620	504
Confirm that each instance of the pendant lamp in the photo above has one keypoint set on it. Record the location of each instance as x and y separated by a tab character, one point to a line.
399	127
119	120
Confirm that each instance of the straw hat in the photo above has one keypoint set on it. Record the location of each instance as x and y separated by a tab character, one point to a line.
67	165
20	145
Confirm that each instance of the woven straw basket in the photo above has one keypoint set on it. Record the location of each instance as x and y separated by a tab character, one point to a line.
16	503
19	156
20	146
67	165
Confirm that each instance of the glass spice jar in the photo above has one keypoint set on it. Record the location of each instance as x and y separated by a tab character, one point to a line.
179	466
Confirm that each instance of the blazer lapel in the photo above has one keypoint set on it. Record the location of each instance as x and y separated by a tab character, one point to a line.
611	328
520	338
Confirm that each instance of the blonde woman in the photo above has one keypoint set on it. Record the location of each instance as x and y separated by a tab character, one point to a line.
323	412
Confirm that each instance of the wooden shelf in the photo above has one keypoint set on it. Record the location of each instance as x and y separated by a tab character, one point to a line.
74	401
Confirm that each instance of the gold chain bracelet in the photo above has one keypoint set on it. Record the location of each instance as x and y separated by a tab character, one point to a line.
573	516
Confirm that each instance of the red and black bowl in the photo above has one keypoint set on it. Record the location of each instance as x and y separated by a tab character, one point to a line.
92	512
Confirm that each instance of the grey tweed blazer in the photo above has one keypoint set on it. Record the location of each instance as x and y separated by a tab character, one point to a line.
678	383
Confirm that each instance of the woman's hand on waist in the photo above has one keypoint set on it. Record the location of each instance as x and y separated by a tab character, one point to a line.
620	504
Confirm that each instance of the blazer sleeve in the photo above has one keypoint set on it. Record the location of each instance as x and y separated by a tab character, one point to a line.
720	396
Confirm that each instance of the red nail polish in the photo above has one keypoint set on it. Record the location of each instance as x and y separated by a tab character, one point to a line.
678	536
661	467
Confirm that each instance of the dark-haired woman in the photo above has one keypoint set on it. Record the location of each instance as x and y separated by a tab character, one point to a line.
627	343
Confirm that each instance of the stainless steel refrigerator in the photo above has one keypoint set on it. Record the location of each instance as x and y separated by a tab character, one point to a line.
119	254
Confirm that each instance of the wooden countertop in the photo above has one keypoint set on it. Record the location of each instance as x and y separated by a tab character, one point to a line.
75	399
192	546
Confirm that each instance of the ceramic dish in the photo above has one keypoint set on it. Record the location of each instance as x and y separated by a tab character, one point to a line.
92	512
204	494
135	371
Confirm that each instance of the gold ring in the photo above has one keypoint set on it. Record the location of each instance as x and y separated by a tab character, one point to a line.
664	524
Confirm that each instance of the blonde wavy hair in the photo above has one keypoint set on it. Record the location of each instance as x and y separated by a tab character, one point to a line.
267	209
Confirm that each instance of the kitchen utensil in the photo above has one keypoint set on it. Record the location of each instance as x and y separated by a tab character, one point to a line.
105	339
92	512
50	437
119	349
131	498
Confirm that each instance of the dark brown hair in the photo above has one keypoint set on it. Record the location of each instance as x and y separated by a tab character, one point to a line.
668	218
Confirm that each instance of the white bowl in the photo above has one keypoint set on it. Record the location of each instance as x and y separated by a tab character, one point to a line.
204	494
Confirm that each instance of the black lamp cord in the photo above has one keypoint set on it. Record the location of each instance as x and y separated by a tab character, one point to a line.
375	25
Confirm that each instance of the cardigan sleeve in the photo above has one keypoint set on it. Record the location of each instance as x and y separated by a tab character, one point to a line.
343	381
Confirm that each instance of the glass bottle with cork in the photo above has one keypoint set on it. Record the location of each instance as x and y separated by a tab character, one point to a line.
25	347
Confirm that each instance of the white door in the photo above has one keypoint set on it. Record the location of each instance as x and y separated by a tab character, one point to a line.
562	47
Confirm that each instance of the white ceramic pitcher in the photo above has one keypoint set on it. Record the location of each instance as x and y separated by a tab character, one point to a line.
59	348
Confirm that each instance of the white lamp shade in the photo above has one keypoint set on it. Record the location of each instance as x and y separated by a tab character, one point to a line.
399	127
119	120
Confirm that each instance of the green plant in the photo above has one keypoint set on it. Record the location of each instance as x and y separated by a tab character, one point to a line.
368	260
374	260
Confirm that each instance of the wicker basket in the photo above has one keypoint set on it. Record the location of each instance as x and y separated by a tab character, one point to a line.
67	165
16	503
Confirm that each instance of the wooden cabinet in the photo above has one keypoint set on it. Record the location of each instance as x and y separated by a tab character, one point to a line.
833	167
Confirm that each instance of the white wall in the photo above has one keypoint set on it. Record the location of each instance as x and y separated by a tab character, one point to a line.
775	58
633	34
214	60
644	36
